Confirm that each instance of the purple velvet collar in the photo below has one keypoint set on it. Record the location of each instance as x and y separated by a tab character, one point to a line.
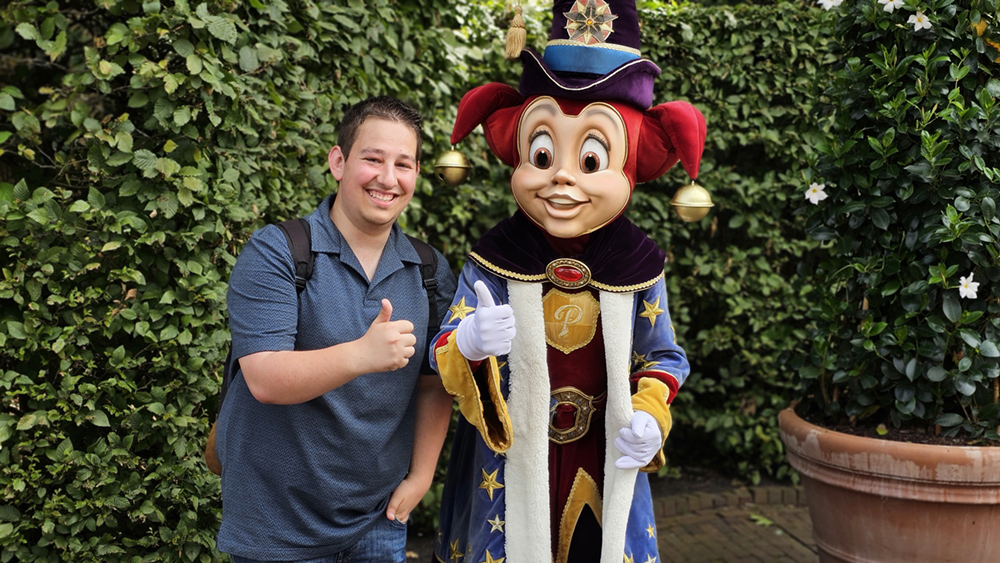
621	258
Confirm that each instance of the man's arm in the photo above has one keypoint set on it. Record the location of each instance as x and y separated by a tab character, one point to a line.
294	376
433	415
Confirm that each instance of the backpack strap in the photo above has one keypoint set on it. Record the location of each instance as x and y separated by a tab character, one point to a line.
299	237
297	233
428	274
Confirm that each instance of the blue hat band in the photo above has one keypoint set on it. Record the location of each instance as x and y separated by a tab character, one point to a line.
583	59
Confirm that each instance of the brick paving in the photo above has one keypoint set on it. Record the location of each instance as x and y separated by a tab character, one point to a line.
768	524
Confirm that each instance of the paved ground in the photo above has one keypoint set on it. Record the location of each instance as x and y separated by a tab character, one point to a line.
717	523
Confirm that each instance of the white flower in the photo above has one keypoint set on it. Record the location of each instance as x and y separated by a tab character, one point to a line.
967	288
890	5
815	193
919	21
828	4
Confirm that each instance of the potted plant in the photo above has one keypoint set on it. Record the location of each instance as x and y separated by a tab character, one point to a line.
904	356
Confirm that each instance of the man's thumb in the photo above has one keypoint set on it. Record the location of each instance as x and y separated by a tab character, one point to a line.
385	314
483	295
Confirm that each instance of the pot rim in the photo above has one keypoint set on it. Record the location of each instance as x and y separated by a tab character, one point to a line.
967	474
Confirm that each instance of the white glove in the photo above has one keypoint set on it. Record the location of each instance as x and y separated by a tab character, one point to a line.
640	442
488	331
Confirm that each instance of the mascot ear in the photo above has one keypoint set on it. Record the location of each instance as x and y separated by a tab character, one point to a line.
670	131
495	106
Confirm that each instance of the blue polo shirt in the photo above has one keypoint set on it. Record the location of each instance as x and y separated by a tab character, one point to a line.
303	481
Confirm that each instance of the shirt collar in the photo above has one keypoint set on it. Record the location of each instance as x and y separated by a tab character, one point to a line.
327	238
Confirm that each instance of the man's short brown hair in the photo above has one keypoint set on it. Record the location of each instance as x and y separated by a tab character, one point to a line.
379	107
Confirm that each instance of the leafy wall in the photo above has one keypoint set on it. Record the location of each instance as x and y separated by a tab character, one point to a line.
143	141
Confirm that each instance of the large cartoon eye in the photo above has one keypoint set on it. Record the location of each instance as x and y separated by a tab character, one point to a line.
540	150
593	155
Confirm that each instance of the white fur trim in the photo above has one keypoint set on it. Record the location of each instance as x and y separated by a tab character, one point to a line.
526	479
619	484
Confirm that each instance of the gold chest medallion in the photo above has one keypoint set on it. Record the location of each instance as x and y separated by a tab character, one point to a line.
570	319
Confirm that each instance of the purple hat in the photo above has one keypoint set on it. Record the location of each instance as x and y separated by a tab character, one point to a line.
592	54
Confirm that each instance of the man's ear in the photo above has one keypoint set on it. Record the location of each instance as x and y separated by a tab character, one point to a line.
336	159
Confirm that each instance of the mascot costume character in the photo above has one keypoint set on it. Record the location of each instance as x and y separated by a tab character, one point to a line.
559	347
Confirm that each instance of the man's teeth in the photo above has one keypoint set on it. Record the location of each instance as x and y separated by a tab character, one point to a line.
381	196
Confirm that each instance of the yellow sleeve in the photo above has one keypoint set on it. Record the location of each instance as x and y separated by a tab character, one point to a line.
469	389
652	397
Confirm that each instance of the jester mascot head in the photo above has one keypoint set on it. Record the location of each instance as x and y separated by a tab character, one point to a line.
559	346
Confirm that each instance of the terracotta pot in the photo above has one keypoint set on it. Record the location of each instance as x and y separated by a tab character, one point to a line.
878	500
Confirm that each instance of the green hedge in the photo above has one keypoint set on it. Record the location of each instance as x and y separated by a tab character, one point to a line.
142	143
737	278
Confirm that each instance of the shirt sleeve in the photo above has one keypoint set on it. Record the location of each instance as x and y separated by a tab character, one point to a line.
261	299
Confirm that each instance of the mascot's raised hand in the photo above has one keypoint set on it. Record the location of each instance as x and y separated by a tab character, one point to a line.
487	332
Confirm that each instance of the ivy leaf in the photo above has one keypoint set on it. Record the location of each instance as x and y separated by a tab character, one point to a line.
7	103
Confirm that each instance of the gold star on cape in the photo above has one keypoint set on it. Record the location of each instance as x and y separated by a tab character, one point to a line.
490	482
651	530
642	362
455	552
649	559
460	310
489	558
496	524
628	559
652	311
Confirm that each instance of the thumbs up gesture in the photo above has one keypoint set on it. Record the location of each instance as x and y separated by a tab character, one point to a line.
389	343
488	331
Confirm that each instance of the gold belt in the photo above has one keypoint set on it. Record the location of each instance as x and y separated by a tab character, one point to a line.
585	406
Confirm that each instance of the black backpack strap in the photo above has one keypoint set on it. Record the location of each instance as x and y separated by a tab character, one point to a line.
428	274
299	238
297	233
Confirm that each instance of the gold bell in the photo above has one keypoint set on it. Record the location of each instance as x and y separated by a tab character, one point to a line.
691	202
452	168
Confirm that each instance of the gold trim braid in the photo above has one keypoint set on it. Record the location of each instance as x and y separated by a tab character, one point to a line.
507	274
610	46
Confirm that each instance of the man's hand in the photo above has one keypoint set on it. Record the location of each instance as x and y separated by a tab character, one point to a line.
404	499
638	442
388	344
487	332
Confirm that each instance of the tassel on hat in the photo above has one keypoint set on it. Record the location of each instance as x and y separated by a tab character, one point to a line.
516	35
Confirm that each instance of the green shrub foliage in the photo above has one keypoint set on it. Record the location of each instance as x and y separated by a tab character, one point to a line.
143	141
912	179
736	279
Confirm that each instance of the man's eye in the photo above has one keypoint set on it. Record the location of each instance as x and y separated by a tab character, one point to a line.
593	156
540	151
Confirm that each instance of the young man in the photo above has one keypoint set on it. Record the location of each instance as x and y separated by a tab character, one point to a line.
332	435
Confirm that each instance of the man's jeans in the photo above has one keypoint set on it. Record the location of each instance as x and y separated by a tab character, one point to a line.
384	543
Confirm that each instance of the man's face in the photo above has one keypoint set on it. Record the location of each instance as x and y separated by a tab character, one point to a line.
378	177
570	179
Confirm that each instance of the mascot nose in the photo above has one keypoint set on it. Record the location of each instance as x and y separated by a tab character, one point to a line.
562	176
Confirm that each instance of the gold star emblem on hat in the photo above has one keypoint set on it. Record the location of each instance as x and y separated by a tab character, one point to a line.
651	311
460	310
490	482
